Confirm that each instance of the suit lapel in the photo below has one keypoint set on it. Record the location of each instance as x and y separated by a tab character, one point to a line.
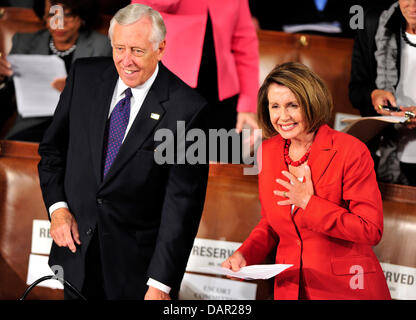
143	125
98	117
278	164
321	154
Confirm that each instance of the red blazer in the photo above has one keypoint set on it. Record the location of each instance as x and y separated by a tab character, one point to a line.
331	240
235	42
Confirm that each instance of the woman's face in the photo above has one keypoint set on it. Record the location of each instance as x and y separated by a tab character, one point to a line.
286	114
408	9
71	25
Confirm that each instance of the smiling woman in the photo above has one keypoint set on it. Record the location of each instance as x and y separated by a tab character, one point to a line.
326	233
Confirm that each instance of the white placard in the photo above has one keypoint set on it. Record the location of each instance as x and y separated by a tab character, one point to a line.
197	287
401	281
210	253
38	268
41	239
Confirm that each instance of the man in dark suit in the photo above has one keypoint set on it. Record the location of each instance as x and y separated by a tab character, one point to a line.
123	225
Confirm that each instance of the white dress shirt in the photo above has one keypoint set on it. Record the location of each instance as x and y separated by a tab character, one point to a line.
139	93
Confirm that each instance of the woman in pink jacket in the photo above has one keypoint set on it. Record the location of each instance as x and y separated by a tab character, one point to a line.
213	47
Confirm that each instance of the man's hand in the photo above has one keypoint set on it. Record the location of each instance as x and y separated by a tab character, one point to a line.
382	97
64	229
156	294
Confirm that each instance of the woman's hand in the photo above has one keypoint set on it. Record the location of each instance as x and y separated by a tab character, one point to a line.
235	262
298	193
382	98
59	84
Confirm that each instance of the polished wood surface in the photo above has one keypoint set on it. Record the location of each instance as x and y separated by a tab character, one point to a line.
20	203
231	211
14	20
232	207
398	245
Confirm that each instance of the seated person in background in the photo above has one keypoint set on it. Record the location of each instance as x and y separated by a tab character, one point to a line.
384	71
320	201
76	40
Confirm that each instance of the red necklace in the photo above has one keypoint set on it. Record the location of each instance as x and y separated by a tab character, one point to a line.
289	161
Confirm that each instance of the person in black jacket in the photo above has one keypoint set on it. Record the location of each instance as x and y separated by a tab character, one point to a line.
382	71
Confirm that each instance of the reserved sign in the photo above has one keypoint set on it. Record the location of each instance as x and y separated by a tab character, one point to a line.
198	287
401	281
41	238
210	253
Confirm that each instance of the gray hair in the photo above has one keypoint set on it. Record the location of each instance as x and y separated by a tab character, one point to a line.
133	13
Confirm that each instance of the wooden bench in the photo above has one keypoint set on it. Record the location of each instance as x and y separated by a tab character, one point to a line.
20	203
231	211
232	208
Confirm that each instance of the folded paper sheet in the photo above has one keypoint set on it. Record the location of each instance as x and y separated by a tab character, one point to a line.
259	271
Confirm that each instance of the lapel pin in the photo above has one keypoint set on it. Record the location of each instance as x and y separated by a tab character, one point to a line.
155	116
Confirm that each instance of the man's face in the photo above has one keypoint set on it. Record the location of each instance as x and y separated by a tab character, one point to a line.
133	53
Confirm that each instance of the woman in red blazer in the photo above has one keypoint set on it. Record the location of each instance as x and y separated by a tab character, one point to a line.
321	205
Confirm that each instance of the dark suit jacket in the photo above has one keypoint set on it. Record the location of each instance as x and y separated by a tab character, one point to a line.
89	44
146	214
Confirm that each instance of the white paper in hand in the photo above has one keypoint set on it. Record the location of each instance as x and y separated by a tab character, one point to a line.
259	271
32	77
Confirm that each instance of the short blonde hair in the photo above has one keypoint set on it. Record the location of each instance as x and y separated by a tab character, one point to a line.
309	89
